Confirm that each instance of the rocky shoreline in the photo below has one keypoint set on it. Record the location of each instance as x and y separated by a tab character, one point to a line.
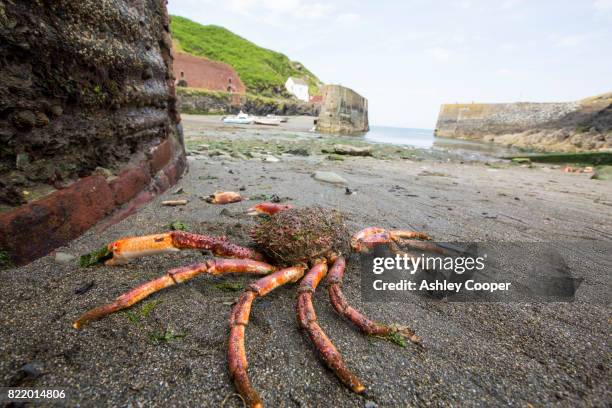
580	126
203	102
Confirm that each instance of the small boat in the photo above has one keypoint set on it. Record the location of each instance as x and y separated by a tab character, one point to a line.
240	119
283	119
267	121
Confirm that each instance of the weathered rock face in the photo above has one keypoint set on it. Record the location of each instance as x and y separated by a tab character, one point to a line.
83	84
571	126
343	111
221	103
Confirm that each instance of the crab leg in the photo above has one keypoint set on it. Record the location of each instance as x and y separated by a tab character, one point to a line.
236	354
366	325
308	321
126	249
171	278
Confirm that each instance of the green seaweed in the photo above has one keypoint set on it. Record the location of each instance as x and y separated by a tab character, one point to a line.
137	316
165	336
178	226
95	257
396	338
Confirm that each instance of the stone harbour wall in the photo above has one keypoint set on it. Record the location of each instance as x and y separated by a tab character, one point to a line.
88	118
570	126
344	111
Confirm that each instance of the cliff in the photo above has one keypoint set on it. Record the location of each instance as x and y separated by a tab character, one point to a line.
263	71
343	111
87	116
571	126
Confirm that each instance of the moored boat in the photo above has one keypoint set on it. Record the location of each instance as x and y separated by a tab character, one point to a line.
240	119
269	121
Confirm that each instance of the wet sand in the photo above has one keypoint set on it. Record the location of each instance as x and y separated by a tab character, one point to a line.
172	352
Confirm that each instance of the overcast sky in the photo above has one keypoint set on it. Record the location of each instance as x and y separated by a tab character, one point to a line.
409	56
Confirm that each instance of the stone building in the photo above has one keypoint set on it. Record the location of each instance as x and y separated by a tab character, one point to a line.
196	72
298	87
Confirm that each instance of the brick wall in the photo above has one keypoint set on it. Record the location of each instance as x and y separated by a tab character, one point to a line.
195	72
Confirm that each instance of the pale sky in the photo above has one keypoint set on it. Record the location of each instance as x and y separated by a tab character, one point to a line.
410	56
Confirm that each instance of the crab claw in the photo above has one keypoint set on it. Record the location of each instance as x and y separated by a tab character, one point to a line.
223	197
268	208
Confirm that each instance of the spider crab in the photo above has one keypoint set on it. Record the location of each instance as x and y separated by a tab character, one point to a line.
299	244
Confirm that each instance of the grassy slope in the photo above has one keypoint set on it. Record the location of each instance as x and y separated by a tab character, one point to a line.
263	71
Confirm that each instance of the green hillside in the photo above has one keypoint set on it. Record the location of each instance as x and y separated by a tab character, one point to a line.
263	71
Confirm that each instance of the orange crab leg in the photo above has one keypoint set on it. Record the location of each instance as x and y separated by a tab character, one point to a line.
172	277
357	318
307	319
239	319
125	249
370	237
268	208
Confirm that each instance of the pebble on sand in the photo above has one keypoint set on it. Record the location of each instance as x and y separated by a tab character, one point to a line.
63	257
353	150
329	177
271	159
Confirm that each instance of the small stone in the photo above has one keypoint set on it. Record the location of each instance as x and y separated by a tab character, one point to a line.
56	110
84	288
370	404
24	120
328	177
271	159
104	172
213	153
300	151
64	258
32	370
41	119
353	150
238	155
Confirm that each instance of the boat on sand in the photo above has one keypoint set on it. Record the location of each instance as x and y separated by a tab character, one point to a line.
240	119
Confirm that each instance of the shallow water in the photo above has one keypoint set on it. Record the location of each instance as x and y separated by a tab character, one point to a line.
425	139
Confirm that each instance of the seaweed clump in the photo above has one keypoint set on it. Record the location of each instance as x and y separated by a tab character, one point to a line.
300	235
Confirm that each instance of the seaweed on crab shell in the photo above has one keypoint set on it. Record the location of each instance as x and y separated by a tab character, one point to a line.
301	234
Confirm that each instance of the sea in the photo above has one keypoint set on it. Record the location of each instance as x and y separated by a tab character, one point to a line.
425	139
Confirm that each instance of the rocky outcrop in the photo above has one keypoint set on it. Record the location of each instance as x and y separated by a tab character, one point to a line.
573	126
205	102
343	111
84	85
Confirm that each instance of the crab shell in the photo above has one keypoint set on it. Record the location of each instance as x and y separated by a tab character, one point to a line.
301	235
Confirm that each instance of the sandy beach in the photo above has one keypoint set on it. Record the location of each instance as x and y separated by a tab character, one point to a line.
170	350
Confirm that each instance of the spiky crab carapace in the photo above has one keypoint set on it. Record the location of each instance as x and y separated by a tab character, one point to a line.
291	240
